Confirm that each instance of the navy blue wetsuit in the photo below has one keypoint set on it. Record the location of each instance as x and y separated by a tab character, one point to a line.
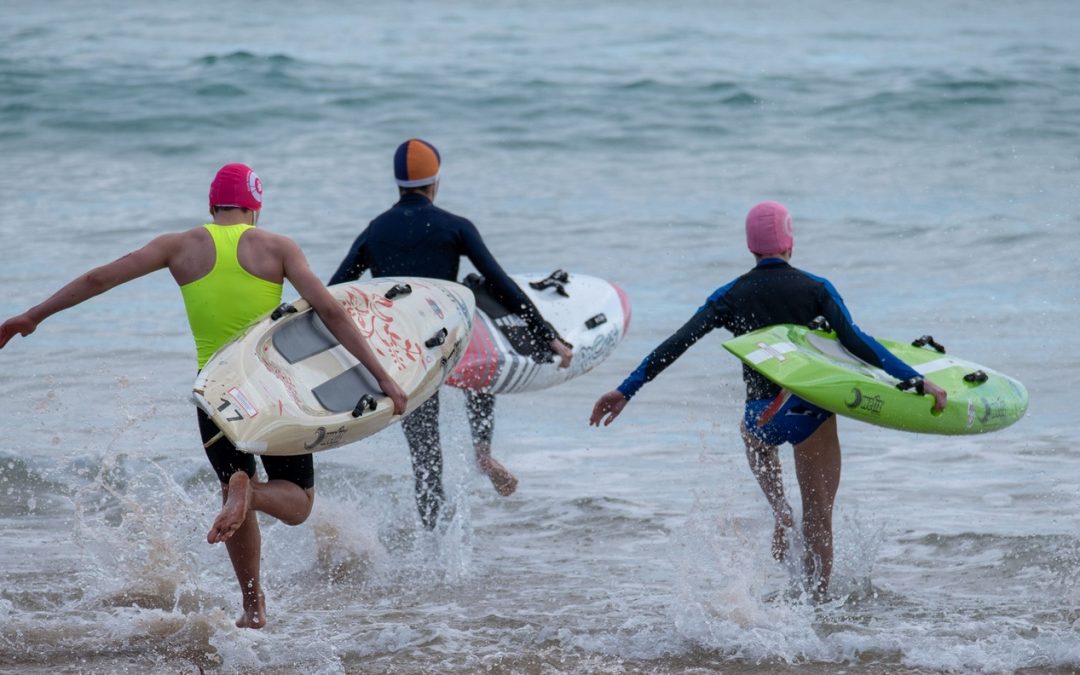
772	293
415	238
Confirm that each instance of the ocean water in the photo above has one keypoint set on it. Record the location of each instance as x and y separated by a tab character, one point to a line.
927	150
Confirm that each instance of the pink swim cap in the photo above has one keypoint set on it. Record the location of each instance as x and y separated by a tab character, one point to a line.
236	186
768	229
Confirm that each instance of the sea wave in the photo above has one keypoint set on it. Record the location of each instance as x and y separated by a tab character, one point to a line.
275	94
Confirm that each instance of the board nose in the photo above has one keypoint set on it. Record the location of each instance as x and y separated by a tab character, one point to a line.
624	300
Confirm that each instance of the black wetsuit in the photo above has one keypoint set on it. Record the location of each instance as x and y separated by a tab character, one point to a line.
415	238
772	293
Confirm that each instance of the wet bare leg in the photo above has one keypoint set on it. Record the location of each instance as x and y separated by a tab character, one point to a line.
238	526
765	464
779	539
817	466
480	408
245	548
503	481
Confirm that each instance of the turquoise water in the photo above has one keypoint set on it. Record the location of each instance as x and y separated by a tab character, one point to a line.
928	152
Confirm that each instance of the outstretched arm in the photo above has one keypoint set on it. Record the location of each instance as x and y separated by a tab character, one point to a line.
707	317
149	258
608	406
337	320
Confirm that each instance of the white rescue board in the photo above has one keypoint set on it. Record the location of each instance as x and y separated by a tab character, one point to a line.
590	313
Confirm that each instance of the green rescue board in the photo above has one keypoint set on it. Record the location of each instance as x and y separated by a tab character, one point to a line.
813	365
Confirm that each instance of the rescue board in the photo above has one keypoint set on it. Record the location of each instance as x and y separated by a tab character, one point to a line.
590	313
813	365
285	386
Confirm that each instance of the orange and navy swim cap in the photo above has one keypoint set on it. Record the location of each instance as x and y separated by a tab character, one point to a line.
236	186
416	163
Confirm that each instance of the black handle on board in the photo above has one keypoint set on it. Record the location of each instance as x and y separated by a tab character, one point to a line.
282	309
437	339
557	280
929	340
978	377
366	402
398	289
915	383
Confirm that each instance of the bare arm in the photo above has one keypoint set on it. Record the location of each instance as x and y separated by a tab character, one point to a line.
608	406
337	320
563	351
154	256
941	398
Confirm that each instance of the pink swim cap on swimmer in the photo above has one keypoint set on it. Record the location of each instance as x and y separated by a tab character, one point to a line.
237	186
768	229
416	163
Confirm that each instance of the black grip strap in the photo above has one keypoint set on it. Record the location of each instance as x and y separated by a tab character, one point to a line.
929	340
366	402
436	339
556	280
978	377
915	383
396	290
282	309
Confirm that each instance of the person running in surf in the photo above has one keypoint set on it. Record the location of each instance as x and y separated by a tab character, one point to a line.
774	292
231	273
415	238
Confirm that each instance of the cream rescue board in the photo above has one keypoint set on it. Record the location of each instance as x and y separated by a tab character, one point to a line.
286	387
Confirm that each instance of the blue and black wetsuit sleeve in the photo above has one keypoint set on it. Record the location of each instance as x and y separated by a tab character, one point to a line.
857	342
502	287
354	264
711	315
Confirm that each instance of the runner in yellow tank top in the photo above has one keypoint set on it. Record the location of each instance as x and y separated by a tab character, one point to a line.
229	298
230	273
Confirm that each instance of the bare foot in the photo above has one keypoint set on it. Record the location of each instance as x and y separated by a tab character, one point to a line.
504	482
254	615
234	511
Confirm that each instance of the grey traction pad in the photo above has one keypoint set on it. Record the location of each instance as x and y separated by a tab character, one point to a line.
302	337
306	336
343	392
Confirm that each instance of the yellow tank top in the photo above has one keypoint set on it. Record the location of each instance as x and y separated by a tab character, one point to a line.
229	298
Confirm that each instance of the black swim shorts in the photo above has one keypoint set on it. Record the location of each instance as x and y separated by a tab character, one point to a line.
227	460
